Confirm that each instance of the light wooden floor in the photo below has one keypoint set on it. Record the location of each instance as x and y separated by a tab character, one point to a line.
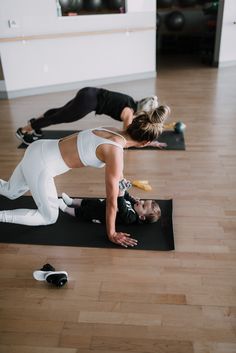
120	301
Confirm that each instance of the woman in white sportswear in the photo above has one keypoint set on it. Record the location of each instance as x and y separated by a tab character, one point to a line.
98	147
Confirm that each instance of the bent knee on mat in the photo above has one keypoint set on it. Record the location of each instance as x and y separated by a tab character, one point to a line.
50	218
13	196
48	222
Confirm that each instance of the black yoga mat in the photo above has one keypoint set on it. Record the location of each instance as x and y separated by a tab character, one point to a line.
175	141
69	231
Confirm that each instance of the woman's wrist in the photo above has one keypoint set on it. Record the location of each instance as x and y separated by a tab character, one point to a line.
111	235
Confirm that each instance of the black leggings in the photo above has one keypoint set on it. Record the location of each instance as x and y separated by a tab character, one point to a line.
92	209
83	103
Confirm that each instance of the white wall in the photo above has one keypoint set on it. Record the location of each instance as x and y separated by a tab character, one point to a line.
30	64
227	53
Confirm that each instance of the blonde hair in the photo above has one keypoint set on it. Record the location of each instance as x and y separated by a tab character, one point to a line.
147	126
147	104
155	215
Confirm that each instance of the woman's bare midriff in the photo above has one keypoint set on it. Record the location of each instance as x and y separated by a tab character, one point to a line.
69	152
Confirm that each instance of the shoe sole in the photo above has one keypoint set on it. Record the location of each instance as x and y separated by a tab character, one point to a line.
21	138
42	275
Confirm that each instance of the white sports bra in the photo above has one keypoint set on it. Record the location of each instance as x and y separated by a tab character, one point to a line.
87	144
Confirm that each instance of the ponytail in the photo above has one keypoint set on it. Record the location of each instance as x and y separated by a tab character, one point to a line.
148	126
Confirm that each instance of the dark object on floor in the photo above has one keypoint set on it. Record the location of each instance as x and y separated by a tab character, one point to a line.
179	127
57	279
48	274
175	141
69	231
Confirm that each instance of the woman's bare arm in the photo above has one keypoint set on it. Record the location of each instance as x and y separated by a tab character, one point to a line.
113	173
127	116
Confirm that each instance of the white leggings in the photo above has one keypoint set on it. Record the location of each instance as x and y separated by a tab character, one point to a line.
36	171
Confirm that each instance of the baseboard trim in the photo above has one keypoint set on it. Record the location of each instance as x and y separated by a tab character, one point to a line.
227	63
74	85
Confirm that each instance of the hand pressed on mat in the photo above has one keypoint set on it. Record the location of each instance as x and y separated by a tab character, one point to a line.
123	239
158	144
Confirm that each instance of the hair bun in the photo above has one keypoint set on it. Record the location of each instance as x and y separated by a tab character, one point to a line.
160	114
148	126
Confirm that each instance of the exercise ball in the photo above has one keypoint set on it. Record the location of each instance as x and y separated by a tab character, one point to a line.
115	4
175	21
179	127
93	5
186	3
76	5
164	3
65	5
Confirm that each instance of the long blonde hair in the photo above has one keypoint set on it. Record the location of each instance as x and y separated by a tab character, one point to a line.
147	126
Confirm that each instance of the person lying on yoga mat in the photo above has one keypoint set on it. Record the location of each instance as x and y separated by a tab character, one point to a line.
117	105
98	147
129	209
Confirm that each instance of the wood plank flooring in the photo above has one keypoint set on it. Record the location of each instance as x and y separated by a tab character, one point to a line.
120	301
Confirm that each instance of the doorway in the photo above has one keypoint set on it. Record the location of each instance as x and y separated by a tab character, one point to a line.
186	32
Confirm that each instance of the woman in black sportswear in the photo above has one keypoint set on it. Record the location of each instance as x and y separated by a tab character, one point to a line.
118	106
